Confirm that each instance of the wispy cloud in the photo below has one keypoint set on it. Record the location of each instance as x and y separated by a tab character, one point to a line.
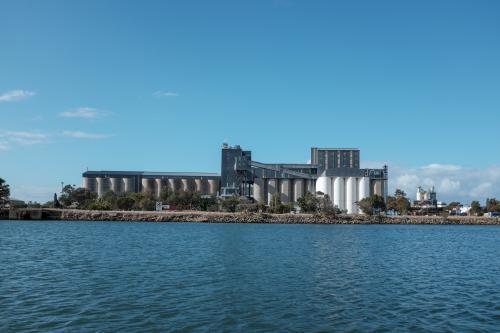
16	95
165	93
83	112
10	138
24	137
85	135
4	145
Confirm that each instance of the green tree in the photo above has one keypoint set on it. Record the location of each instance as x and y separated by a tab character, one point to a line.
492	205
372	204
209	203
185	200
398	202
125	202
83	197
308	203
399	193
475	208
66	199
230	204
403	205
452	205
275	203
99	204
4	192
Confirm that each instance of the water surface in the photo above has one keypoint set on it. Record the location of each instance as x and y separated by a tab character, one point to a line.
195	277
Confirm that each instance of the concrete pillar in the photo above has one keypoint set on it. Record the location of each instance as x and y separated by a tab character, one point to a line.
198	185
258	190
128	185
271	188
158	187
185	185
212	186
338	192
298	189
285	190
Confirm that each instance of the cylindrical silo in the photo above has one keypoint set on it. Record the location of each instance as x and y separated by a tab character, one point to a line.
311	186
86	183
298	189
271	189
147	187
351	195
285	190
116	184
364	188
128	184
102	185
213	186
204	186
198	185
258	190
377	187
185	184
323	185
171	185
338	192
158	187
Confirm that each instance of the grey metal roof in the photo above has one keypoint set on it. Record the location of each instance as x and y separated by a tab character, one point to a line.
150	173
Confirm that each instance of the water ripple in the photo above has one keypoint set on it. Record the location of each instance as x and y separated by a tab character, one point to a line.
171	277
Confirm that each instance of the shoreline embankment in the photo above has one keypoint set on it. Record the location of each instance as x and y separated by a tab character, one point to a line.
52	214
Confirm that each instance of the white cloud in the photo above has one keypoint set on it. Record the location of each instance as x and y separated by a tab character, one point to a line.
83	112
452	182
16	95
85	135
436	167
10	138
449	186
165	93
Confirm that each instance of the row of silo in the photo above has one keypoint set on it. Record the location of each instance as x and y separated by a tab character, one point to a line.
101	185
344	192
289	190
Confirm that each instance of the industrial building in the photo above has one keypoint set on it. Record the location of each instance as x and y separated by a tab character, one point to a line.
334	172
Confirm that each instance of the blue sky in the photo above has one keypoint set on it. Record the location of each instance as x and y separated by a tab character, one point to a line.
159	85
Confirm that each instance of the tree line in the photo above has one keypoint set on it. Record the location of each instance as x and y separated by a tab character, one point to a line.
317	203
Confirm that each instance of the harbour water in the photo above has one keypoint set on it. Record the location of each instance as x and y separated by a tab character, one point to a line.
200	277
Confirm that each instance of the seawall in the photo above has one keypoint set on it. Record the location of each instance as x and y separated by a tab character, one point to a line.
218	217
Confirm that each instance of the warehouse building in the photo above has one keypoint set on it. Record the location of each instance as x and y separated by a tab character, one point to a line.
334	172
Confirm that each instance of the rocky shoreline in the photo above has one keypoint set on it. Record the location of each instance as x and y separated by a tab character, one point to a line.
218	217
